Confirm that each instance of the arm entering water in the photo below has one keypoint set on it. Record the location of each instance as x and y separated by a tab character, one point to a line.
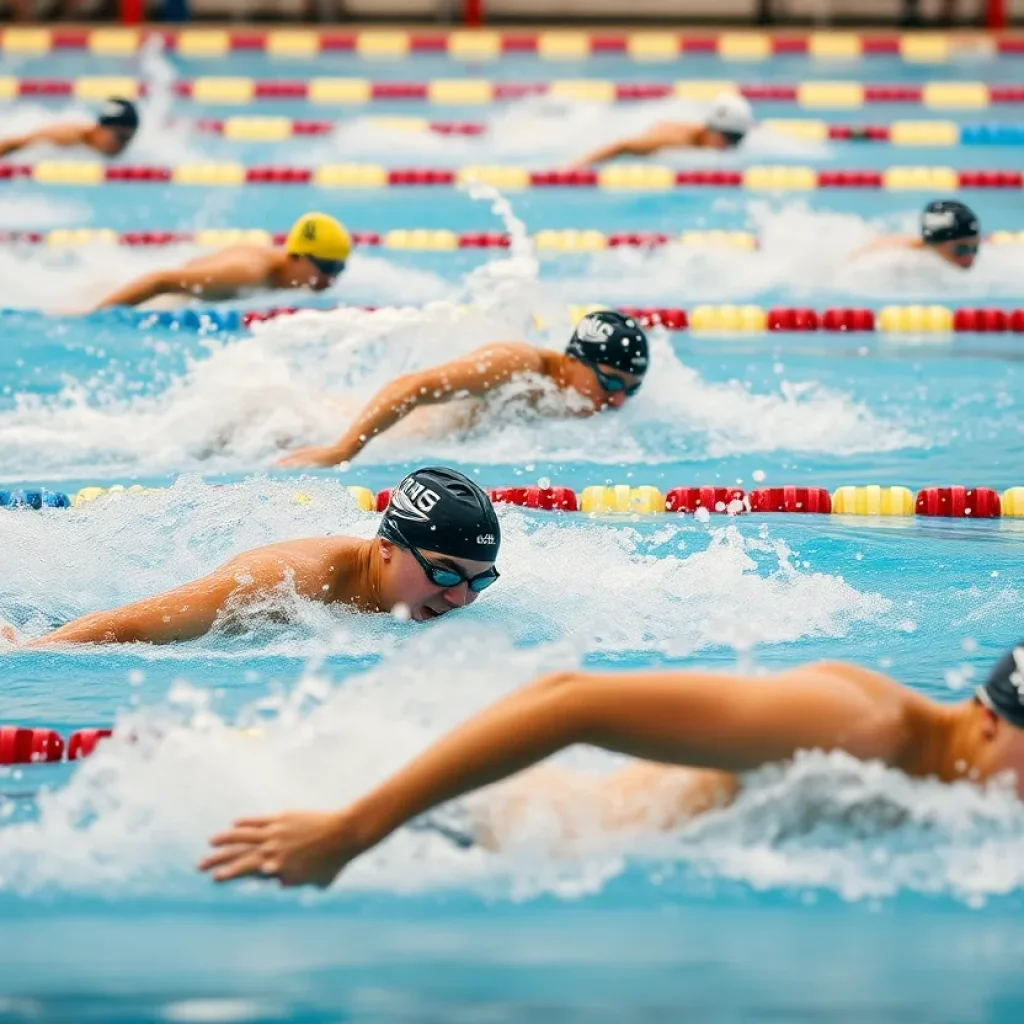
706	720
189	611
473	375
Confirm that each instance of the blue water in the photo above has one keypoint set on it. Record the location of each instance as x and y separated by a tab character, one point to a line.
829	892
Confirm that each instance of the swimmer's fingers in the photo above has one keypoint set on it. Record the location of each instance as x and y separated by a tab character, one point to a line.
236	862
246	830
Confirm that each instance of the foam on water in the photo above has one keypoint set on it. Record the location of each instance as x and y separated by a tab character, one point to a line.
804	254
546	128
135	816
72	280
299	379
714	586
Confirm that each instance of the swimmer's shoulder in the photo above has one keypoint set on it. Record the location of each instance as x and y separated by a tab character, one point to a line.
881	690
521	354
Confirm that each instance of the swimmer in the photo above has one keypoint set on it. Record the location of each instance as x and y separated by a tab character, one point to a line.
696	733
313	255
109	135
724	128
604	362
434	551
949	228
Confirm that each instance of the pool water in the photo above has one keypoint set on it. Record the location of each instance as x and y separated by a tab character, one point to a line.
831	891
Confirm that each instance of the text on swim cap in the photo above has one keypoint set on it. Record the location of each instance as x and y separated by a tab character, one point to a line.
590	328
412	500
1017	675
936	220
485	538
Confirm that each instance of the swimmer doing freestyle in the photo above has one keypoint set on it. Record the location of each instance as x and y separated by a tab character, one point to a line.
604	363
725	127
695	733
313	255
109	135
434	552
949	229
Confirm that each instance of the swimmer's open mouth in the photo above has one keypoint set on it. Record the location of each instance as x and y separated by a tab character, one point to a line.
430	613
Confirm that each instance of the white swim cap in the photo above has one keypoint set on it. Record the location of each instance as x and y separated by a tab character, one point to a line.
730	113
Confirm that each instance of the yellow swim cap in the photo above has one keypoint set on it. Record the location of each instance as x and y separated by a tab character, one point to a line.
319	235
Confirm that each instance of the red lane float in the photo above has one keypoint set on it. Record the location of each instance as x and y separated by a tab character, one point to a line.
959	502
278	175
792	320
812	500
670	319
29	746
83	742
560	498
570	178
714	499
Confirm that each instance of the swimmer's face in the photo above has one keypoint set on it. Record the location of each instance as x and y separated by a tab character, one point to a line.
111	141
722	140
410	585
961	253
600	384
1002	750
310	274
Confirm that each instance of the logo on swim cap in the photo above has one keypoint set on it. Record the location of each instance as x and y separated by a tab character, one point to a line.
1017	675
590	328
413	501
309	230
935	220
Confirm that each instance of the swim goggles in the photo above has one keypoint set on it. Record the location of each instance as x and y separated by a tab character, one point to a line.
612	385
449	577
965	249
732	139
329	268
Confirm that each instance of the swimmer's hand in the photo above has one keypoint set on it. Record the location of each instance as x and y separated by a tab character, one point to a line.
296	848
311	456
9	633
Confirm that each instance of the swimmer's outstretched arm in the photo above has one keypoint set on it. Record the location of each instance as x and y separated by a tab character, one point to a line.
473	375
886	243
190	610
649	142
56	135
705	720
217	272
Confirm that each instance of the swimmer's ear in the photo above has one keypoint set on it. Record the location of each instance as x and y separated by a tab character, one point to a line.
989	721
387	548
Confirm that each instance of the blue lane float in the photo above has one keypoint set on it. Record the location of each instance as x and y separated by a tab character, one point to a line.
36	498
992	134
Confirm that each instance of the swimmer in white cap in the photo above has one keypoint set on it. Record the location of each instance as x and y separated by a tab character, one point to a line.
949	229
435	551
725	127
696	733
603	364
109	135
313	255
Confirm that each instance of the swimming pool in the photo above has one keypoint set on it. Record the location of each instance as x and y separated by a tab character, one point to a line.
831	891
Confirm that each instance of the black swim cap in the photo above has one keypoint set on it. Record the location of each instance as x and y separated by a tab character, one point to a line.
946	220
611	339
438	509
1004	691
119	113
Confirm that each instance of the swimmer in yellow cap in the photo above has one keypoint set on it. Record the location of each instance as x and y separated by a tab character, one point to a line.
313	255
725	127
695	734
109	135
